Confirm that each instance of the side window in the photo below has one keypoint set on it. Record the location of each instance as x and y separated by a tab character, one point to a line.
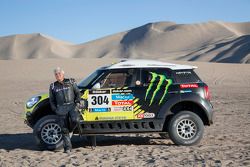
186	76
154	75
117	79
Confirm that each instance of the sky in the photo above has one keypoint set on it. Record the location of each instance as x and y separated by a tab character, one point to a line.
79	21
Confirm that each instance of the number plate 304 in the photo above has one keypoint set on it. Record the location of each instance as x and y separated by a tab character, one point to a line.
99	101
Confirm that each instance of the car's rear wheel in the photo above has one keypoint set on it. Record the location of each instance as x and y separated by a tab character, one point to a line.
47	133
185	128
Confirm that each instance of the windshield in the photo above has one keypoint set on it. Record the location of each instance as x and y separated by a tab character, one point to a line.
86	81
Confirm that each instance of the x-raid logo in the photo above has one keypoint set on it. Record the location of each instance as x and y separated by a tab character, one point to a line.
162	78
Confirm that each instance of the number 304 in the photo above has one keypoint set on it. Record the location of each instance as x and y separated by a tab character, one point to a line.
99	100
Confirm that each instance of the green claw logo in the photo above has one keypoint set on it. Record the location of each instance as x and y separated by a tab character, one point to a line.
160	83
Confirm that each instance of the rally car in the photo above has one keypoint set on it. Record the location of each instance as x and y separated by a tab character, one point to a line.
132	96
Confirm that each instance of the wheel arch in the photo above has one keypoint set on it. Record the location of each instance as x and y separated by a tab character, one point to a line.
189	106
41	110
186	105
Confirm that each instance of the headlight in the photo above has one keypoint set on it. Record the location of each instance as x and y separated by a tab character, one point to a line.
31	102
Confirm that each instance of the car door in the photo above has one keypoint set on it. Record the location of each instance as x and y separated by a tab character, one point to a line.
152	92
114	99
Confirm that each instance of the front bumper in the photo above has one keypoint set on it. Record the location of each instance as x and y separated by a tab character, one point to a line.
28	119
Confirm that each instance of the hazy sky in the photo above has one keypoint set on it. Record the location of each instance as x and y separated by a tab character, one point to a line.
79	21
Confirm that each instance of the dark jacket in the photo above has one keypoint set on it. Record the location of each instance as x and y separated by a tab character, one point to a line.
65	93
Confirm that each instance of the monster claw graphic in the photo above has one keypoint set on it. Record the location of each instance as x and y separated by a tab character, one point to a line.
162	78
154	76
166	90
160	83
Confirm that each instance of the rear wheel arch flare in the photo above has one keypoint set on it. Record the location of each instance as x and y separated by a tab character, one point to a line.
190	106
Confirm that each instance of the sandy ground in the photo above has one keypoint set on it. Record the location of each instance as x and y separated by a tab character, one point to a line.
225	143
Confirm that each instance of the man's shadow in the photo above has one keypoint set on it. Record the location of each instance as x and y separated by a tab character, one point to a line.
26	141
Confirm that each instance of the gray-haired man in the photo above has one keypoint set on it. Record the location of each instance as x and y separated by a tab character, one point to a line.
64	95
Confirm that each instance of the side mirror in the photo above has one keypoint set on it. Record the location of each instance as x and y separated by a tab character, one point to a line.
97	86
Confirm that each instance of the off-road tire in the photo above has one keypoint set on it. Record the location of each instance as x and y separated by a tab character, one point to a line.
185	128
43	125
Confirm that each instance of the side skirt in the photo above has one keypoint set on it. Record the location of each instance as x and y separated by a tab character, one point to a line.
124	126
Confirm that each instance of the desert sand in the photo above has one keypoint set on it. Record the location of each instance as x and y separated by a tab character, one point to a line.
225	143
213	41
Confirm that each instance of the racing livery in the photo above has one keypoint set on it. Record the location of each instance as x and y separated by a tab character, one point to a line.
132	96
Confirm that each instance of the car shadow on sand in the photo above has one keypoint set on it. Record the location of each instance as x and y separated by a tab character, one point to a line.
26	141
120	140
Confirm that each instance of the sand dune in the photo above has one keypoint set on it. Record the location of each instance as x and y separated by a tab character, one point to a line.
225	143
209	42
32	46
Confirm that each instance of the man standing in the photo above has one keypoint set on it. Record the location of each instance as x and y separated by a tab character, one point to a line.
64	96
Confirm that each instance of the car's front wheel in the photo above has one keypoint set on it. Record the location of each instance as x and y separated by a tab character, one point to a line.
185	128
47	133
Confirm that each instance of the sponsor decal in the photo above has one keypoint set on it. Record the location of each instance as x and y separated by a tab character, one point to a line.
111	118
99	91
61	89
99	109
160	83
121	91
115	109
122	108
146	115
122	97
140	115
184	86
122	103
104	100
186	91
127	108
183	72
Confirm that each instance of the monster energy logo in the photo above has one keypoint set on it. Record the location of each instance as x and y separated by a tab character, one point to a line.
158	87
